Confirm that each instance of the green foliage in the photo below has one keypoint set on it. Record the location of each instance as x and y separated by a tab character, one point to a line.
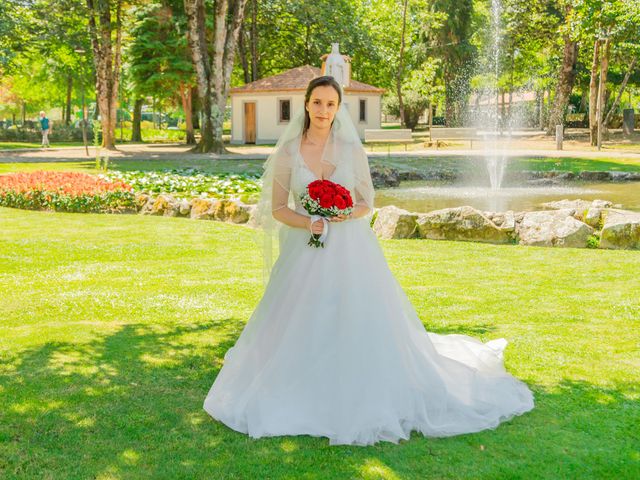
61	133
158	58
414	106
593	241
188	182
108	202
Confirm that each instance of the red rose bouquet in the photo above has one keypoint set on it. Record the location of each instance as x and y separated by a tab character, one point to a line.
326	199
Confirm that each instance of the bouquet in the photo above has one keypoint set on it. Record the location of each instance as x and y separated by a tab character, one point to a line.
326	199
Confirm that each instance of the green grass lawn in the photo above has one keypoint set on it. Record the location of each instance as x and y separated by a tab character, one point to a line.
114	328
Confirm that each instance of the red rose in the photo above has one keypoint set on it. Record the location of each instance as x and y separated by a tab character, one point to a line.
349	201
314	192
326	201
339	202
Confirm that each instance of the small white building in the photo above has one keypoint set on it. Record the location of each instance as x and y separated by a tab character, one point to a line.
261	110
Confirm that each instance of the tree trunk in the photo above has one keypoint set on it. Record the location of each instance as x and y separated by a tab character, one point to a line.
107	64
584	101
213	74
403	121
195	108
136	131
450	118
253	41
564	86
185	94
67	111
604	67
593	94
242	53
540	108
616	102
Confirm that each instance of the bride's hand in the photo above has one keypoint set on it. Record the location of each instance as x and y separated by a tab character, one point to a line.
317	227
339	218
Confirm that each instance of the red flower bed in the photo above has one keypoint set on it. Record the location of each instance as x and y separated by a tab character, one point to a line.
64	191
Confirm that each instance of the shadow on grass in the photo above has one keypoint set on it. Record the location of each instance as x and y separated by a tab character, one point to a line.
129	405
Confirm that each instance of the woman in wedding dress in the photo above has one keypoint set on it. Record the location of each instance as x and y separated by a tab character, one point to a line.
334	348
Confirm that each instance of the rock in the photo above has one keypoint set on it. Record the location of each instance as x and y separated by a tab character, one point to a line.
164	205
593	216
504	221
413	175
565	204
394	222
230	211
184	207
601	204
621	230
579	205
384	176
594	176
543	182
553	228
201	208
566	176
141	199
619	176
461	223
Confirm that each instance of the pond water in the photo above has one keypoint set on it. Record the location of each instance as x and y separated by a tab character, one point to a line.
425	196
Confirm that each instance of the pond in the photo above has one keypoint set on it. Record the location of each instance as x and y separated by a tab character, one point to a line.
422	196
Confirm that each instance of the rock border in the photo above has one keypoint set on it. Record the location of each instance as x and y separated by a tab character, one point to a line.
565	223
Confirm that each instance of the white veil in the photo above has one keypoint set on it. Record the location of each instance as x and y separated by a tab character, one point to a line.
343	150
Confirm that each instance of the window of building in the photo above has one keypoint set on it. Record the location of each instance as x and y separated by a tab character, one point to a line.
284	111
363	110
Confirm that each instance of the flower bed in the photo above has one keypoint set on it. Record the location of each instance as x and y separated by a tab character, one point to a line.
65	191
188	182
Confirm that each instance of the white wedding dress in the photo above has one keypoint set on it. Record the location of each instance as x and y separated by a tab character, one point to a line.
335	349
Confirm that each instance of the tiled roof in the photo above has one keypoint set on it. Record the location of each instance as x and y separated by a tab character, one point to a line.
298	79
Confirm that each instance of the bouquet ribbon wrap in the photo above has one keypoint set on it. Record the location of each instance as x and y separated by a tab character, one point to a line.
325	229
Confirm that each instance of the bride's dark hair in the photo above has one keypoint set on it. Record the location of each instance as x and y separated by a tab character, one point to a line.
325	81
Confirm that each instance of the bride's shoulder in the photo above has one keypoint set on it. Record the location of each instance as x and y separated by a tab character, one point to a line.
288	148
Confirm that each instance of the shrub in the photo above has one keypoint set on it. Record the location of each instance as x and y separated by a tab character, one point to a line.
64	191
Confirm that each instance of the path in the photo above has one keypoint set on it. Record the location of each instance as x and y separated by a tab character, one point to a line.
180	152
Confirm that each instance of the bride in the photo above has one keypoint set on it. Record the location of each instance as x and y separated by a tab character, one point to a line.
334	348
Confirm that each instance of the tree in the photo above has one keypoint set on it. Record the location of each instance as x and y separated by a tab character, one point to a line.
607	25
213	65
160	62
567	70
106	58
452	39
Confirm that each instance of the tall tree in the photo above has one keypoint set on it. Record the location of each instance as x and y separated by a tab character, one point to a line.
608	25
566	72
106	57
213	65
454	48
159	61
400	63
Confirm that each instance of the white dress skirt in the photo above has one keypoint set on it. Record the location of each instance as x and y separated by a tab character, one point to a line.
335	349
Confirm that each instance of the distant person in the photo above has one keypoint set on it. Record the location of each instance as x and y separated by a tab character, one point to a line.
46	129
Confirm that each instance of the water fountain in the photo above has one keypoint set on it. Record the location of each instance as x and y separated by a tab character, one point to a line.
484	181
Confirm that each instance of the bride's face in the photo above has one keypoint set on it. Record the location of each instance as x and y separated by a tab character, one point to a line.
323	105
